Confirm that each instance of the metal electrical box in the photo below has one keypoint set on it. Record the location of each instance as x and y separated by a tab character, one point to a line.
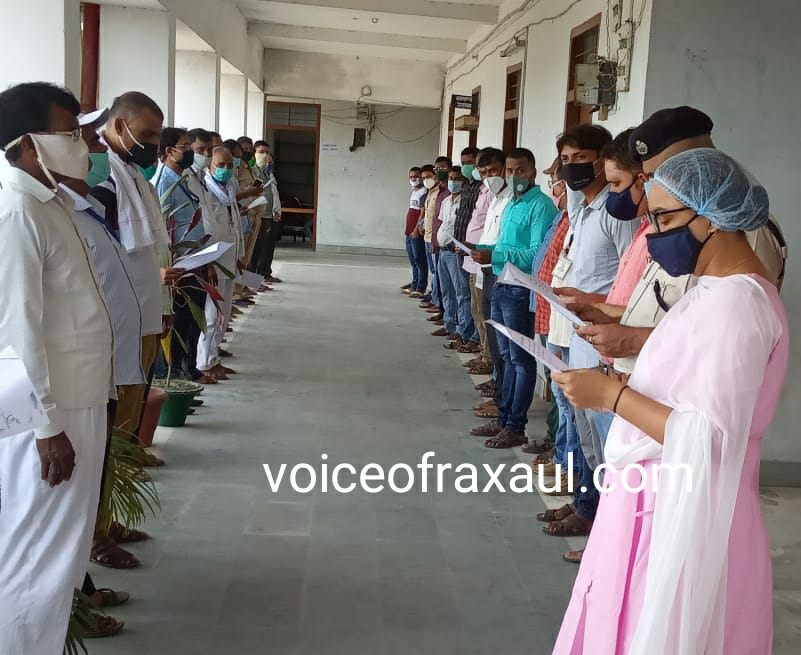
596	83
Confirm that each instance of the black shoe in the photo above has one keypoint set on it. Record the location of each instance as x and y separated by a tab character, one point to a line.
224	353
196	402
407	286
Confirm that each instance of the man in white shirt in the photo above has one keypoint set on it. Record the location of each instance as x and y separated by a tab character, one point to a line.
132	136
55	317
501	196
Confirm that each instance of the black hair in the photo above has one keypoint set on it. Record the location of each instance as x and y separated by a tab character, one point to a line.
470	150
584	137
132	102
428	168
522	153
490	155
231	143
199	134
259	144
25	108
415	168
217	134
445	159
169	139
617	150
456	169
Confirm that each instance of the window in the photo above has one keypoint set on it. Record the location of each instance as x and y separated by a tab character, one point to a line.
511	116
475	111
583	50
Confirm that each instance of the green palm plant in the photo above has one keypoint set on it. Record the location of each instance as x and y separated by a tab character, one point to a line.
82	621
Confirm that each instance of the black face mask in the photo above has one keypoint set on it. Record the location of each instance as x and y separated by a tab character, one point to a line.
578	176
187	160
247	155
142	154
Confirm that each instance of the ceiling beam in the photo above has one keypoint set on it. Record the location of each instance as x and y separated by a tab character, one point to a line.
475	13
274	30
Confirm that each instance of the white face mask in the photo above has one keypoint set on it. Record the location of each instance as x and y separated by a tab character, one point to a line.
495	184
429	183
201	161
59	153
476	175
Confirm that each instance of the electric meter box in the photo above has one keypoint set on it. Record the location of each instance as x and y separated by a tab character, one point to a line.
595	84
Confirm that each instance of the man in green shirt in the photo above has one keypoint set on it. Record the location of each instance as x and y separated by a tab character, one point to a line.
524	223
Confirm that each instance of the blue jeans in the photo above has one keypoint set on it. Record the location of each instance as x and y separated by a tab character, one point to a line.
510	307
566	439
602	421
586	502
432	266
467	326
416	251
447	292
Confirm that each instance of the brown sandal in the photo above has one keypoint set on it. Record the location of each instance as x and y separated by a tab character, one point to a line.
490	411
122	535
550	515
571	526
534	447
573	556
506	439
487	430
107	553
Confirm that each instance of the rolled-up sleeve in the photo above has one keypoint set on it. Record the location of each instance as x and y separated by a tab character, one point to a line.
22	300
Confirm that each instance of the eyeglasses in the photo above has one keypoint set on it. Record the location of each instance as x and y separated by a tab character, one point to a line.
553	183
74	134
653	217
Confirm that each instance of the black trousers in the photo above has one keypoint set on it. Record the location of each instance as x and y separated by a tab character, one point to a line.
185	359
262	260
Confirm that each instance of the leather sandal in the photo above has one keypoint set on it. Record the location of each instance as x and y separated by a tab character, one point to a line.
562	512
487	429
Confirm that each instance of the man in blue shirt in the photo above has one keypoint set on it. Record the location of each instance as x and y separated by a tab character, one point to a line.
523	226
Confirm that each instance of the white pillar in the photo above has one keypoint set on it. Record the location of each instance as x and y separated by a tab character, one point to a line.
255	124
42	42
197	77
232	105
137	53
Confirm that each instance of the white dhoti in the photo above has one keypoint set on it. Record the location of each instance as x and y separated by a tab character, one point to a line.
46	534
208	346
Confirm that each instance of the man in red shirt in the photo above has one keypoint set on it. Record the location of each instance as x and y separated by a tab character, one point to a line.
415	246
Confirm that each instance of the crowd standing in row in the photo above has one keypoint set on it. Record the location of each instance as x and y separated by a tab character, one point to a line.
94	210
665	248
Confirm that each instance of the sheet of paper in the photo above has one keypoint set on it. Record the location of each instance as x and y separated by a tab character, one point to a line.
20	406
249	280
480	278
461	246
258	202
203	257
531	346
513	275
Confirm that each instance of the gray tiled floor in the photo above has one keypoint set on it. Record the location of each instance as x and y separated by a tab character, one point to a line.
338	362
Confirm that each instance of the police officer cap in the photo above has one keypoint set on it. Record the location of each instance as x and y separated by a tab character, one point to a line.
664	128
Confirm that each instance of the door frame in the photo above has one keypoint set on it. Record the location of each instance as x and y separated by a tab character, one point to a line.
298	128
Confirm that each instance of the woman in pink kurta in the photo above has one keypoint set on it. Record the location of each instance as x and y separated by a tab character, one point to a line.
675	571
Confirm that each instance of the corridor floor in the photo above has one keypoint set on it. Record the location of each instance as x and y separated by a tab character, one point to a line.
336	362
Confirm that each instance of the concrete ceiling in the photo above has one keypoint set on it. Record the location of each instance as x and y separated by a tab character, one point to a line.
428	30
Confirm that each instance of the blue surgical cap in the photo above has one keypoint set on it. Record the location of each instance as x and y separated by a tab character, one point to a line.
714	185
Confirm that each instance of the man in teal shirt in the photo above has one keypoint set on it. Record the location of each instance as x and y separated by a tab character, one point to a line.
523	226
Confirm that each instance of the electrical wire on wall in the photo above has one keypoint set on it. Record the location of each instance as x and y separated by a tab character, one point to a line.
372	121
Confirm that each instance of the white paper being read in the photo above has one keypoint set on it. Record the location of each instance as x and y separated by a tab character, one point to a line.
203	257
258	202
20	406
513	275
531	346
249	279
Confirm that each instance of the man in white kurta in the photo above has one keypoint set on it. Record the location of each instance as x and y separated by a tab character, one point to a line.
55	317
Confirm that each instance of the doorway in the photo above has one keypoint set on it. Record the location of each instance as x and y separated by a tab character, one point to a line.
583	50
293	132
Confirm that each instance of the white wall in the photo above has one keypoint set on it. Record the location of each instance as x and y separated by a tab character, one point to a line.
738	61
545	76
137	53
41	50
197	77
255	118
312	75
233	89
363	195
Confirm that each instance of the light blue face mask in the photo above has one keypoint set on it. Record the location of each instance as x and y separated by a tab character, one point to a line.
647	186
223	175
237	161
455	186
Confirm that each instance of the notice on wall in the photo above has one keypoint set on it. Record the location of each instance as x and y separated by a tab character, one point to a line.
329	147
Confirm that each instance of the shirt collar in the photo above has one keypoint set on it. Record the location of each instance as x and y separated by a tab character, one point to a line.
22	181
598	201
81	203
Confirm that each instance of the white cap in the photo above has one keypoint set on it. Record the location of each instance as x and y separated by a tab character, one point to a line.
94	118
